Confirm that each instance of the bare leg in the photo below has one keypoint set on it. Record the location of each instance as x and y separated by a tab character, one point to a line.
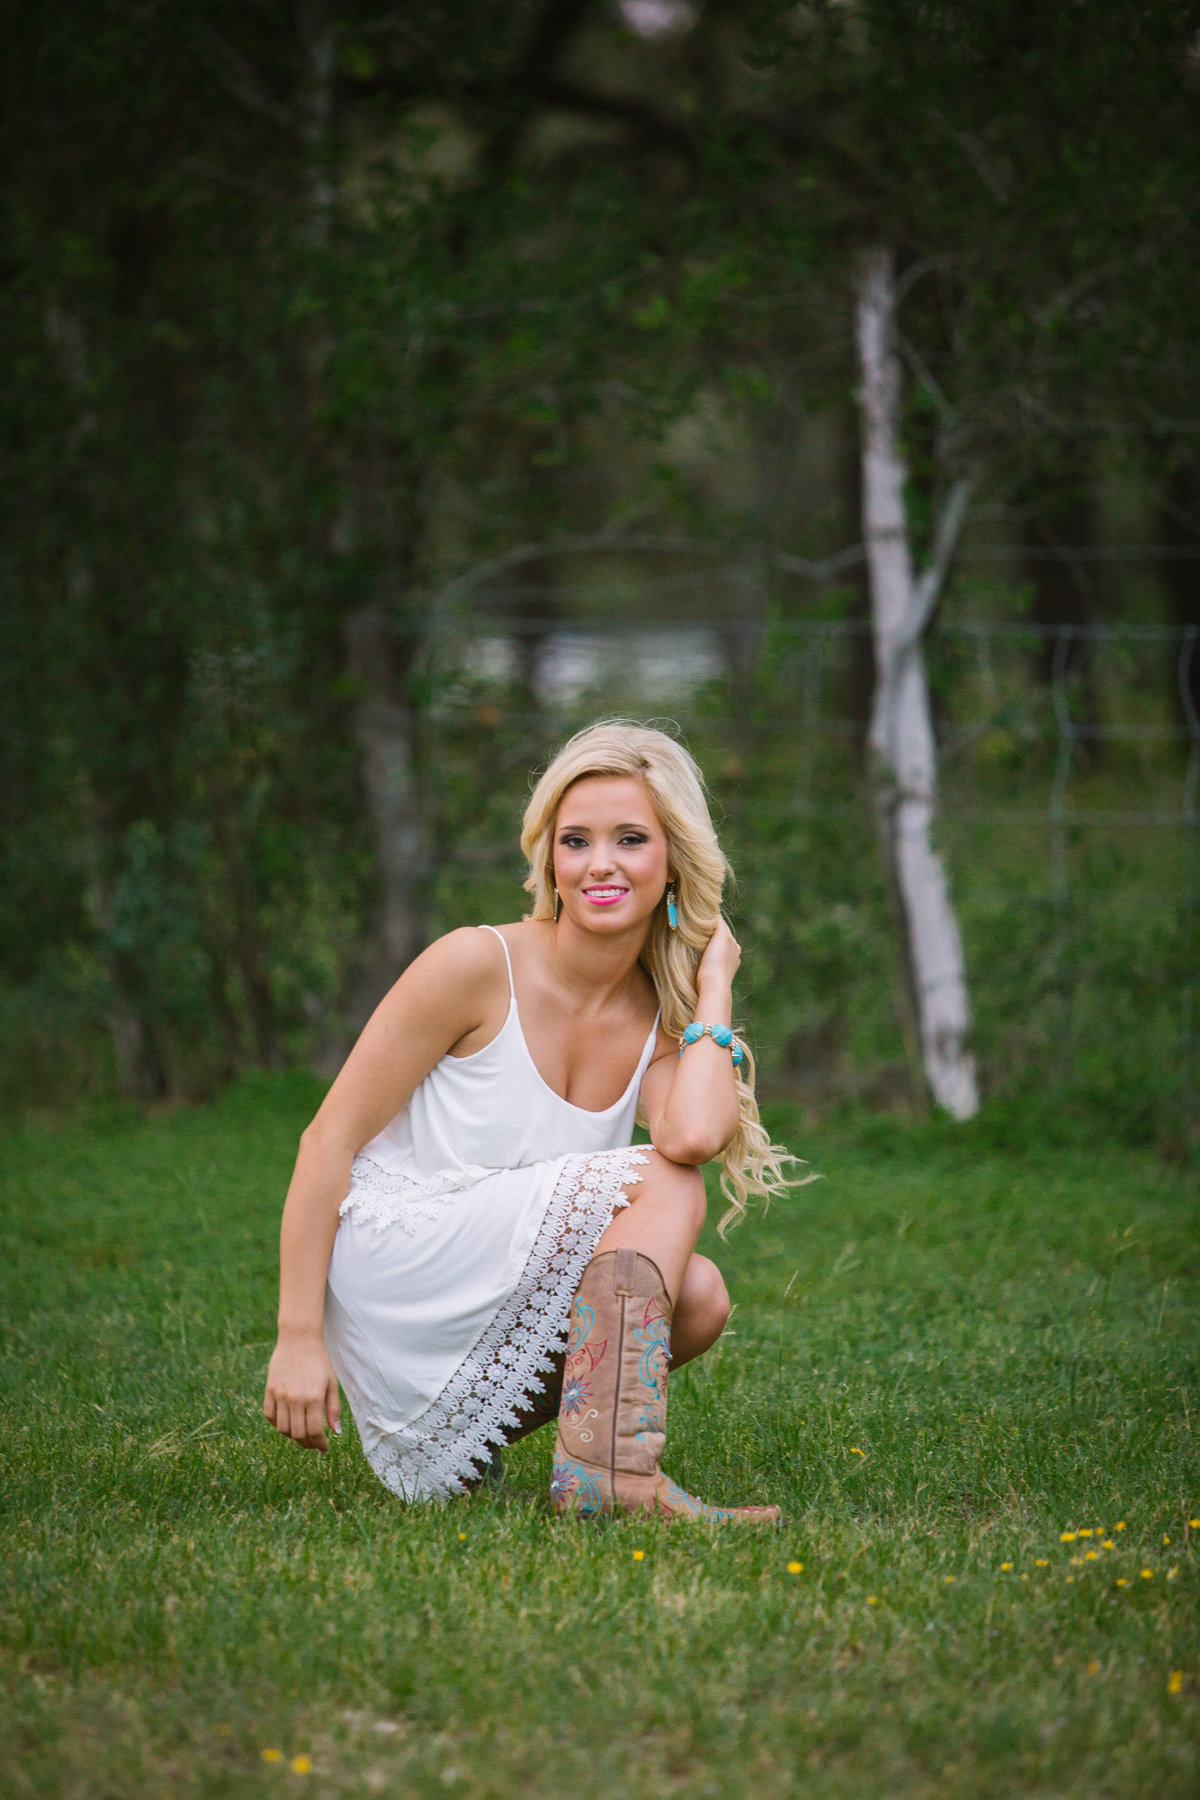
662	1220
701	1312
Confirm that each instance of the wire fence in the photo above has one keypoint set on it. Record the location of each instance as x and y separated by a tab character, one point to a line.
1069	794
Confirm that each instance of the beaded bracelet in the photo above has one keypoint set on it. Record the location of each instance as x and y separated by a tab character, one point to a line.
720	1034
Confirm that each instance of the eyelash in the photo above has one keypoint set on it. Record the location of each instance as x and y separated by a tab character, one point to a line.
578	843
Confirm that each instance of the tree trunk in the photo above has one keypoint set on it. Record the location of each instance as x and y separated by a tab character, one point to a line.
387	728
902	753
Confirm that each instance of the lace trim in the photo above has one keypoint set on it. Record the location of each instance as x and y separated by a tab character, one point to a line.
438	1453
394	1199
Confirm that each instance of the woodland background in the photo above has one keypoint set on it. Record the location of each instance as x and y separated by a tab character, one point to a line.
390	391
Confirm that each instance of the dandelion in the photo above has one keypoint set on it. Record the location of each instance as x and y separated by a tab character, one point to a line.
271	1754
1067	1537
1147	1574
302	1765
1093	1668
1166	1540
1195	1524
1041	1562
1088	1533
1070	1579
639	1556
1121	1581
1175	1681
871	1600
795	1568
949	1579
1006	1565
462	1537
1120	1524
1024	1578
1108	1544
1090	1555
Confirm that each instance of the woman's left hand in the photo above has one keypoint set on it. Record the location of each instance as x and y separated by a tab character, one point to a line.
721	957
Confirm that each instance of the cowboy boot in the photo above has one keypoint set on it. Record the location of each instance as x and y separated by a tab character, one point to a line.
613	1414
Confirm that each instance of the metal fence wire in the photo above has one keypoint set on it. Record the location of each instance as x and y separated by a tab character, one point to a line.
1069	771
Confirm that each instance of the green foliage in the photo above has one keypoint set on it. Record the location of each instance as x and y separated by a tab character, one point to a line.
953	1348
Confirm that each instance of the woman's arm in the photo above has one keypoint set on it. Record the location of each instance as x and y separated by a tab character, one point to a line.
441	997
691	1100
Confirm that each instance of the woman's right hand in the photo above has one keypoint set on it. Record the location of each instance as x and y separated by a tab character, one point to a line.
302	1390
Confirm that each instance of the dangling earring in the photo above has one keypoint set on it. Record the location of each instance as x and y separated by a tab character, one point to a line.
557	904
672	910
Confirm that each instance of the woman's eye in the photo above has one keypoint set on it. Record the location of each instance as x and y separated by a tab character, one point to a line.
573	843
634	837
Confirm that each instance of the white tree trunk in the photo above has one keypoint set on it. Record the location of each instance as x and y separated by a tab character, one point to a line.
901	746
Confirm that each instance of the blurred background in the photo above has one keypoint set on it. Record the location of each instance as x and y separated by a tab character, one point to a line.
390	391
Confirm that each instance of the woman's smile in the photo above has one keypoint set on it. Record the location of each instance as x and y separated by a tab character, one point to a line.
605	896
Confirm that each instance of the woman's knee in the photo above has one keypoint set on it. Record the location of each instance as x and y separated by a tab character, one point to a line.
705	1293
681	1184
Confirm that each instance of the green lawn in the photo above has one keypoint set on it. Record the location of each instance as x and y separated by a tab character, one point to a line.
946	1354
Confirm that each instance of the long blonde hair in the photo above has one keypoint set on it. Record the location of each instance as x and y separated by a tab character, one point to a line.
618	747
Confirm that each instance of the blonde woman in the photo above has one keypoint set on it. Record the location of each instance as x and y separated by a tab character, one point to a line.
467	1195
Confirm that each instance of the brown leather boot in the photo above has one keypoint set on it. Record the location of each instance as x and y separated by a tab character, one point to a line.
613	1414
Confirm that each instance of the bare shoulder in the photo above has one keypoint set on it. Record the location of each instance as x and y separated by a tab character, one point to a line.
465	963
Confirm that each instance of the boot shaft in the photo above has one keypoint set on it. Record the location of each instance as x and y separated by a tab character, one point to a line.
614	1400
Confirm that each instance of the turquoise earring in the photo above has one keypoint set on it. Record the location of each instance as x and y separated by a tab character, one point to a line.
672	909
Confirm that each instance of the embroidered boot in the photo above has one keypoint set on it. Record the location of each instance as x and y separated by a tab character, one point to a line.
613	1415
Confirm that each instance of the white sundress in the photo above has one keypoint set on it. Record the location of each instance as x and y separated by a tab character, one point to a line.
469	1221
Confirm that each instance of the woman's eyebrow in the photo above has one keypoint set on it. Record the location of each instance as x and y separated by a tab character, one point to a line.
630	825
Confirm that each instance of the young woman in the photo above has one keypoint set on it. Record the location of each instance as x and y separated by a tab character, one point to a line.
468	1189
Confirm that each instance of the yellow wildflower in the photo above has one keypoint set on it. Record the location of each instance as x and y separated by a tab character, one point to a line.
1041	1562
1090	1555
1147	1574
1194	1523
1166	1539
1172	1573
795	1568
1067	1537
462	1537
855	1451
871	1600
1120	1524
271	1754
639	1556
1093	1668
1070	1579
1175	1681
302	1765
1121	1581
1024	1578
949	1579
1006	1565
1108	1544
1087	1533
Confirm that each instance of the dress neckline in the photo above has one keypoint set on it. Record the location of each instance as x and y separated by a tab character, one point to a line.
514	1012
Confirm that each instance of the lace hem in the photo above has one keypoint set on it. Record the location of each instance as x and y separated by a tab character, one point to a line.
439	1453
395	1199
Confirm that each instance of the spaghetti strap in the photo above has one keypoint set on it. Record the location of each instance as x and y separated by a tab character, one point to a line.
512	991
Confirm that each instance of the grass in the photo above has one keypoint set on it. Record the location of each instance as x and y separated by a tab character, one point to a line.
946	1354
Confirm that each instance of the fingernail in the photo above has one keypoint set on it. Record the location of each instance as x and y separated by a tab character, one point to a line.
337	1431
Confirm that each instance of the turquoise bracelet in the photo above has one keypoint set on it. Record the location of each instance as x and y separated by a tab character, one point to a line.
720	1034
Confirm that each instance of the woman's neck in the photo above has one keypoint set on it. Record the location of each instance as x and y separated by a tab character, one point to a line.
601	967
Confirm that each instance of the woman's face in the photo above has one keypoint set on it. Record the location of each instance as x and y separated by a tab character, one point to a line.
611	859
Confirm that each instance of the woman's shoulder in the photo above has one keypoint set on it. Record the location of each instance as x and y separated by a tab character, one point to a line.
470	950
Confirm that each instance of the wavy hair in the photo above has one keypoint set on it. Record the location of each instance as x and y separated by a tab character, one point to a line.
671	958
